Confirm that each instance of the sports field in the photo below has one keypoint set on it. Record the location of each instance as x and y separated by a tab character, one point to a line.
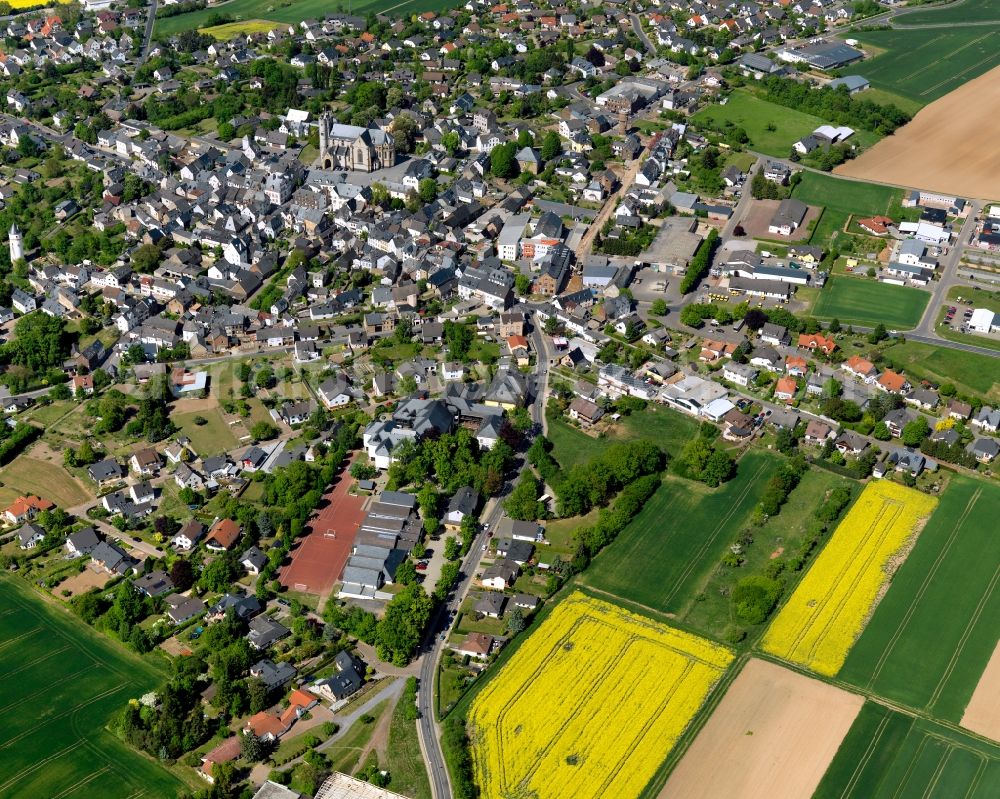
664	556
841	198
889	755
61	685
932	635
590	704
830	607
292	11
860	301
925	64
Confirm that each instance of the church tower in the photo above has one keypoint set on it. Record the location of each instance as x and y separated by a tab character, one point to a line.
16	244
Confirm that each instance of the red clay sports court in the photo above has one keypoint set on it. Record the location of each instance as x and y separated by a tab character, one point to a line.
321	555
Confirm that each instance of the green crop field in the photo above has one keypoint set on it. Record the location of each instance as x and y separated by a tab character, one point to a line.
666	428
667	552
889	755
62	683
928	643
859	301
841	198
958	11
925	64
968	371
291	12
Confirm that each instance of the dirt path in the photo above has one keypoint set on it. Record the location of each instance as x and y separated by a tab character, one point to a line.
627	179
380	738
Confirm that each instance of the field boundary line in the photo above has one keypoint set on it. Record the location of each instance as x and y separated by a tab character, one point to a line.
966	634
914	759
40	659
936	776
912	609
17	638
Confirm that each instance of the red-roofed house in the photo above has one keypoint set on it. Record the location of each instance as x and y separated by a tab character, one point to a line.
476	645
796	365
785	389
861	368
23	509
876	225
816	341
893	382
225	752
222	535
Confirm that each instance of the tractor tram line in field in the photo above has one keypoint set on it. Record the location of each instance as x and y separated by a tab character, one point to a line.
931	573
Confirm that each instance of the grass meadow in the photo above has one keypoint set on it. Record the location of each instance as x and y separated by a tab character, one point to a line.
890	754
27	475
859	301
62	683
666	428
291	12
970	372
924	65
841	198
210	438
928	642
662	559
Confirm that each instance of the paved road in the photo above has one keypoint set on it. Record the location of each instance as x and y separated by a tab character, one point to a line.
434	643
147	36
739	211
637	27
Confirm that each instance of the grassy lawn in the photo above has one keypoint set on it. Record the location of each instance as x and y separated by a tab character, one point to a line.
210	438
924	65
404	761
667	428
755	116
883	97
54	741
927	644
891	754
663	557
971	373
27	475
713	614
862	301
841	198
345	753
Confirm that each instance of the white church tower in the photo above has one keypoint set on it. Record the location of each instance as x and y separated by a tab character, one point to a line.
16	244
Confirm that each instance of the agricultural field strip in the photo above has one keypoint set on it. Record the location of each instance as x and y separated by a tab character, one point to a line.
966	634
912	609
710	539
859	549
869	753
610	702
855	545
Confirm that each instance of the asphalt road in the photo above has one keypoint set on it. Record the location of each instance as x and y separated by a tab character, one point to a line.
147	36
637	27
434	642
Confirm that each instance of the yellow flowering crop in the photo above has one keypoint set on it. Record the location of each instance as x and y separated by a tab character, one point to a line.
827	612
590	705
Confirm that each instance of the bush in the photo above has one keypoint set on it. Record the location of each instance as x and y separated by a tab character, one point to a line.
755	597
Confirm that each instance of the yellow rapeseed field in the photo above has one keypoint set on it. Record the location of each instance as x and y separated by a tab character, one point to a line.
590	705
827	612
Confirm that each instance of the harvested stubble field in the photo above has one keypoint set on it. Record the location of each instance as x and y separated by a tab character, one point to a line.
826	613
590	704
762	740
961	126
928	641
62	684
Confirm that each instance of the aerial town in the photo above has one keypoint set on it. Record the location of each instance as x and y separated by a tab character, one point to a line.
526	400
